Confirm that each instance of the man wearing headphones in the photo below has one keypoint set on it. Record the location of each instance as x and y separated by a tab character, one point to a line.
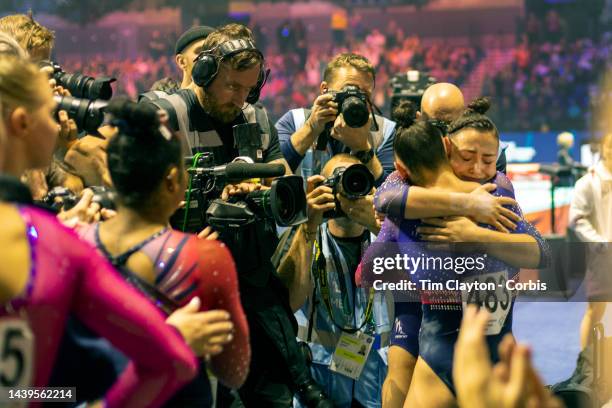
227	78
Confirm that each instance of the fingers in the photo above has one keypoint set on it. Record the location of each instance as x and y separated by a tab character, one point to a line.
506	201
511	215
208	234
107	214
313	181
439	222
84	202
212	350
212	316
192	307
498	226
519	368
489	187
322	199
93	213
220	339
507	223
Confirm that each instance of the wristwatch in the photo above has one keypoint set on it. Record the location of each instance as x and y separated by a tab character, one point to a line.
364	156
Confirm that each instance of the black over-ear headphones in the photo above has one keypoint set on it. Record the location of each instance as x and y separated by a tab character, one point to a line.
206	65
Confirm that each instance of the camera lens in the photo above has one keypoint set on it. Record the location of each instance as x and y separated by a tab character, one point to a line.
357	181
87	114
83	86
355	112
286	203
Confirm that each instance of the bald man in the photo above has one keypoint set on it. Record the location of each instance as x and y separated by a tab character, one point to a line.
442	101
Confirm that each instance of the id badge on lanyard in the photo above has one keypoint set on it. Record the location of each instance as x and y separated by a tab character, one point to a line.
354	345
351	354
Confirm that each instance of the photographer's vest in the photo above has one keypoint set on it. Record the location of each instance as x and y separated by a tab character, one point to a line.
348	304
207	139
314	160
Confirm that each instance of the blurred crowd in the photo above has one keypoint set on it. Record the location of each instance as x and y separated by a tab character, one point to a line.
552	82
295	63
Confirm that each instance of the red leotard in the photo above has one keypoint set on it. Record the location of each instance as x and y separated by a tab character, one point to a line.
186	266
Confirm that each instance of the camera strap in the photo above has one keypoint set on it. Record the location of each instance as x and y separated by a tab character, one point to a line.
321	276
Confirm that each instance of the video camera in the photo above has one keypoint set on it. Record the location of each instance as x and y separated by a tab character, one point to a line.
81	86
410	85
284	201
354	181
353	105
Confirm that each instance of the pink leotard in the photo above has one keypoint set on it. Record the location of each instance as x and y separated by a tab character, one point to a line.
68	276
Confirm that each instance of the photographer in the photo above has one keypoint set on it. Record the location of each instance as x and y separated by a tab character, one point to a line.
371	141
331	304
37	42
227	79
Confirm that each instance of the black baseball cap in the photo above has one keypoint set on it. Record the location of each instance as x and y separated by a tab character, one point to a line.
191	35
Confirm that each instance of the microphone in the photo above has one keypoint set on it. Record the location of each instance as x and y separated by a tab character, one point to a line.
240	171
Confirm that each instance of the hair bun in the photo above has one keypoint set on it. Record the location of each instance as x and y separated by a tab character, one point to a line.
404	113
480	105
134	119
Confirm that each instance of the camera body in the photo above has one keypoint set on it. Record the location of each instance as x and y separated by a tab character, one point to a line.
81	86
354	181
353	105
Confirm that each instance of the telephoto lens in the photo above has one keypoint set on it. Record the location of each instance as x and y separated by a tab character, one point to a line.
79	85
88	115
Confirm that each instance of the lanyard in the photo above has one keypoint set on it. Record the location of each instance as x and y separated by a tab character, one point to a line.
321	278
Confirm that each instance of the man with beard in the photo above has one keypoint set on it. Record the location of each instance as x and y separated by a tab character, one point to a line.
227	78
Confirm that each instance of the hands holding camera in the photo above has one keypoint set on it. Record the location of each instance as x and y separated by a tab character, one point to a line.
320	199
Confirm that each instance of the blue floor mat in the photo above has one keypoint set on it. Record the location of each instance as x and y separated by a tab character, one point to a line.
552	329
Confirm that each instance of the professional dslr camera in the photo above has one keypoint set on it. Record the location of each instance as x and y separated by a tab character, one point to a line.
284	202
81	86
353	104
61	198
354	181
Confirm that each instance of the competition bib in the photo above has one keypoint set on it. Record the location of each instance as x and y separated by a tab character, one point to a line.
351	354
496	298
16	357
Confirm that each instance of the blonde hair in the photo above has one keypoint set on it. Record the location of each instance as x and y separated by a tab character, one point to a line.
9	46
27	32
20	84
349	59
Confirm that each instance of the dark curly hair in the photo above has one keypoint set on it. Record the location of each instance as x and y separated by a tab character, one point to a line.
418	143
474	118
141	152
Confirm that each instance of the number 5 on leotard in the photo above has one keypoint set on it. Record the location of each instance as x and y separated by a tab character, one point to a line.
16	353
